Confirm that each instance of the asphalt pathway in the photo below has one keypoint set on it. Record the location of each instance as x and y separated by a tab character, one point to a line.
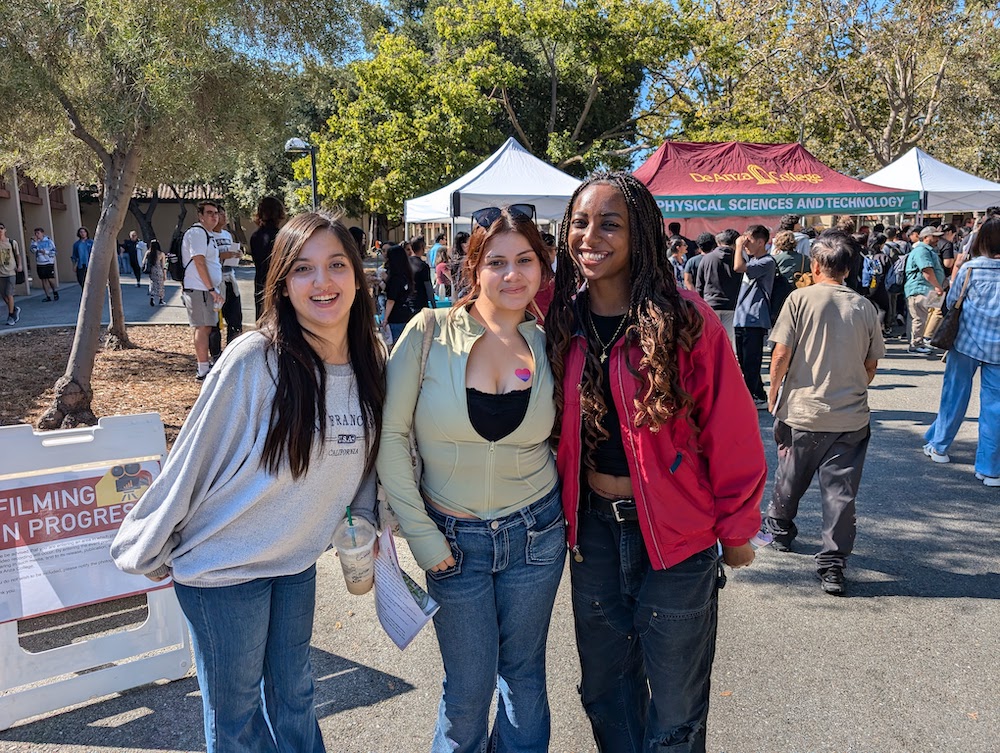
908	662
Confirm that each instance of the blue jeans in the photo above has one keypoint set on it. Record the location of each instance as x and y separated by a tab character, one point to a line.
496	603
396	330
955	392
246	635
646	639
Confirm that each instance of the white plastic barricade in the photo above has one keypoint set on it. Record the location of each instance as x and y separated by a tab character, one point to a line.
62	497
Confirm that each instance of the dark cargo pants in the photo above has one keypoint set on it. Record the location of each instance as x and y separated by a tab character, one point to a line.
839	459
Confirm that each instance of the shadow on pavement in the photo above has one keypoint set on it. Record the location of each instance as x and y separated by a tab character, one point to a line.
925	530
168	716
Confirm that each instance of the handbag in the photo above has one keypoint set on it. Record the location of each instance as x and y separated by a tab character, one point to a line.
947	332
385	514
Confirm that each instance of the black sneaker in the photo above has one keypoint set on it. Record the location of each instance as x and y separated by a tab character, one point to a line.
56	294
831	580
783	531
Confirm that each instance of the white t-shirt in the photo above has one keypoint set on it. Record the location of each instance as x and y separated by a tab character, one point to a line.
198	242
224	242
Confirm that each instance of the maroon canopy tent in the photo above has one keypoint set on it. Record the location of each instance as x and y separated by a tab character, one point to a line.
754	182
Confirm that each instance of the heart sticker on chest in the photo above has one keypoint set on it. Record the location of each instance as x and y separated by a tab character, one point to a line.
523	374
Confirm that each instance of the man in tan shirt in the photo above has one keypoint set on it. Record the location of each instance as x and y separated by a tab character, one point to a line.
827	342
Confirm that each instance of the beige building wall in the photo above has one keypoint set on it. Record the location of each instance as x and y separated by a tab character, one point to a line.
10	216
57	212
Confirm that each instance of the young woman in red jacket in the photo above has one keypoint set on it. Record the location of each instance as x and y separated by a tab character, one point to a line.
660	457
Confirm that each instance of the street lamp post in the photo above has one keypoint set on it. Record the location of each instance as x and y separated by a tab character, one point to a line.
300	146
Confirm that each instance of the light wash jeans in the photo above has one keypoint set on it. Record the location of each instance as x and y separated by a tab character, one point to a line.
245	636
955	393
493	624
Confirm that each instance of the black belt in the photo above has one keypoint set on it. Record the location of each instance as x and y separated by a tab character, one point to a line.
623	510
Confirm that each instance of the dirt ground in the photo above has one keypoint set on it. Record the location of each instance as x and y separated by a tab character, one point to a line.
156	375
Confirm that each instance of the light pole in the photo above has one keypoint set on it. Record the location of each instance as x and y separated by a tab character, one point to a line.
300	146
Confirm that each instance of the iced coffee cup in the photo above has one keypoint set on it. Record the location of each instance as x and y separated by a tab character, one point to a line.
354	540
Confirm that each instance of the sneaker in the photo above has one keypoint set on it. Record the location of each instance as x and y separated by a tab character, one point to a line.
783	531
201	377
761	404
46	299
11	321
988	480
937	457
56	295
151	301
17	314
919	349
162	302
831	580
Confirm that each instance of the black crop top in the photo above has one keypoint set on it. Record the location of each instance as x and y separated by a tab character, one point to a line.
495	416
609	455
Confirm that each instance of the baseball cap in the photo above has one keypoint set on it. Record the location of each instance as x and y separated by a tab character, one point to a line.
930	230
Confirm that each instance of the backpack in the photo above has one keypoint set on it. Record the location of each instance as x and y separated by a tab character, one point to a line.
176	267
872	273
780	290
895	278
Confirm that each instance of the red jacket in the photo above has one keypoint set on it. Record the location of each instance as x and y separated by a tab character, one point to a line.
690	490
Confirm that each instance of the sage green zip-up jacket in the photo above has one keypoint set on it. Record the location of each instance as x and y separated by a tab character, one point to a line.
462	471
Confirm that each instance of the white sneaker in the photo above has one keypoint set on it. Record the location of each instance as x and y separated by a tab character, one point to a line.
937	457
988	480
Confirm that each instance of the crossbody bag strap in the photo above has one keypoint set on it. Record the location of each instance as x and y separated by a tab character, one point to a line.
425	348
965	287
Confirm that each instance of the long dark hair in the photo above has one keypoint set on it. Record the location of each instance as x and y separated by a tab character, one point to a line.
398	264
481	237
987	240
298	412
662	321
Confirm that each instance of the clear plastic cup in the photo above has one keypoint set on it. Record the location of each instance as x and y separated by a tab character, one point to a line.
355	544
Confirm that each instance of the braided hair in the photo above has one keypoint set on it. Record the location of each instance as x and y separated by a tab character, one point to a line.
660	321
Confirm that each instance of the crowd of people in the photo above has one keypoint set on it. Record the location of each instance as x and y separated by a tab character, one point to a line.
596	393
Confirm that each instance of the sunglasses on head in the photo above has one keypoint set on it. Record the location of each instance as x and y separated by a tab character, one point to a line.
486	216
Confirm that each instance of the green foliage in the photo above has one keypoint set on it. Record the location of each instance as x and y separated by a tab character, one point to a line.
405	127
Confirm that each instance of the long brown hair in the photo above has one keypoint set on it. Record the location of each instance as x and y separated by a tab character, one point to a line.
298	412
480	239
661	321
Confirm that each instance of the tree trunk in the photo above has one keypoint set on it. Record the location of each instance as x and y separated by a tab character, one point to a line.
72	403
145	219
117	336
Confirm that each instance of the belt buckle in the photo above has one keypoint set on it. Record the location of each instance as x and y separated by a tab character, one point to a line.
615	510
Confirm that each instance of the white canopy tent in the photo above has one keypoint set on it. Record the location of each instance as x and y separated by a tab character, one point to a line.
943	188
511	175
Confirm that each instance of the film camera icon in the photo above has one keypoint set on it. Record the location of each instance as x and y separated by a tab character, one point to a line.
131	481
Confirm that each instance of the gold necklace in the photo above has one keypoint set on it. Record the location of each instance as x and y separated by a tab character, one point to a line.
614	337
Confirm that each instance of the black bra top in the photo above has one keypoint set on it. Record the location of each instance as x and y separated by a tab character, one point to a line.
495	416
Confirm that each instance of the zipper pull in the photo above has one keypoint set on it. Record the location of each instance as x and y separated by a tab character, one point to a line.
577	557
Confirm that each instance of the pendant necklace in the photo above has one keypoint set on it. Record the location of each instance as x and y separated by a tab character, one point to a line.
614	337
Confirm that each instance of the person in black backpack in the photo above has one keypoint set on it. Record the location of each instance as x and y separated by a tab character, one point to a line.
876	264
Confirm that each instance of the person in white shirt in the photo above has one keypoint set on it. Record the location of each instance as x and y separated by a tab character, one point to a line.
229	255
202	280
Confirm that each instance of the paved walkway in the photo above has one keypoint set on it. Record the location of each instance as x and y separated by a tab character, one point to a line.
36	312
907	663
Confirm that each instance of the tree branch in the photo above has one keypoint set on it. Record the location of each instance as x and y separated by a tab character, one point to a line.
513	119
591	96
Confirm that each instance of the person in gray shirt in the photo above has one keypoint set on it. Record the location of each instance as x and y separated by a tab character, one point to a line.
282	438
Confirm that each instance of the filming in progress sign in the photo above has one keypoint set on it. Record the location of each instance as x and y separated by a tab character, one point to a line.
55	537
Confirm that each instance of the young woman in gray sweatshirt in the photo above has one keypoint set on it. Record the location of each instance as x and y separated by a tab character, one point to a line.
283	437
